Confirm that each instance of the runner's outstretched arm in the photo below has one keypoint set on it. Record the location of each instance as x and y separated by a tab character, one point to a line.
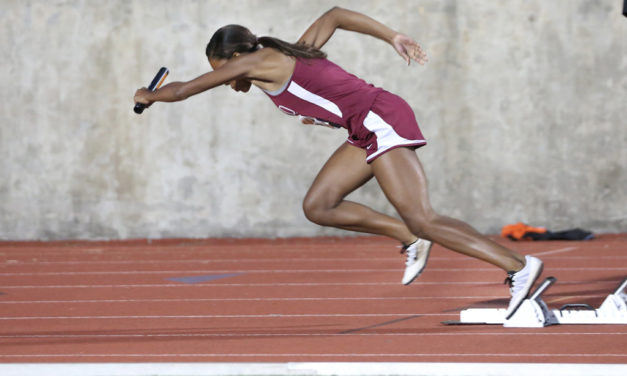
238	67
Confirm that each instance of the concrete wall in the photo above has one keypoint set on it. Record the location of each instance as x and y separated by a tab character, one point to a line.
523	104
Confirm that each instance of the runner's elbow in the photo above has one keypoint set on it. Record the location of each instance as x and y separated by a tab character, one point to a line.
336	13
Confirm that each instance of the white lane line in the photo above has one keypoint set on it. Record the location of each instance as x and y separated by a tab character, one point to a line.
209	335
280	271
309	368
192	261
180	285
351	368
10	263
555	251
300	249
200	252
260	316
329	355
189	272
300	299
279	284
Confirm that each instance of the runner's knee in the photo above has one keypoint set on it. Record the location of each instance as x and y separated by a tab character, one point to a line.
421	224
316	208
311	210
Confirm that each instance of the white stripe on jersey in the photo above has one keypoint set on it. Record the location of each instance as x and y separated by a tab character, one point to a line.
310	97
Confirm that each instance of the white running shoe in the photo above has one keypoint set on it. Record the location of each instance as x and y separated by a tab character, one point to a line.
521	283
417	255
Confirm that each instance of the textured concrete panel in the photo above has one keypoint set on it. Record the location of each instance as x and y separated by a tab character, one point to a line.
522	103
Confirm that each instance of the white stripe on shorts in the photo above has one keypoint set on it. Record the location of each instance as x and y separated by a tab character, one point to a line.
387	138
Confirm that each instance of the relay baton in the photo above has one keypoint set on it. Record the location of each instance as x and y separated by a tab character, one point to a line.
154	85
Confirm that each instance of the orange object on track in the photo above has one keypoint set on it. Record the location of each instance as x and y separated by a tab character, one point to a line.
519	230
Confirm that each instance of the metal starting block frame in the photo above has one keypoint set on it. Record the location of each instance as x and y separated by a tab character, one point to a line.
534	313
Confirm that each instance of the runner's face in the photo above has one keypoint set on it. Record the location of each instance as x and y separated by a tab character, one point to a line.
237	85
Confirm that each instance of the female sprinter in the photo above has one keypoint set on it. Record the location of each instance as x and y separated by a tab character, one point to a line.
383	136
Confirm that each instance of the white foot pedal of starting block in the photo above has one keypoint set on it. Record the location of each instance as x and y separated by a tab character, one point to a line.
534	313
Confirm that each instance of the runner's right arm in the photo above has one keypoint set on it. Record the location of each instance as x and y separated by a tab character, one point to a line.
319	33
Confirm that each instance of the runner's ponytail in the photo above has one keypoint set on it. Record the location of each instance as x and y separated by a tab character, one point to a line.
235	38
292	49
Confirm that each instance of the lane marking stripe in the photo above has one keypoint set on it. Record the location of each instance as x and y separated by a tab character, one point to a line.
72	301
555	251
10	263
250	271
306	368
243	248
157	335
334	355
269	315
295	284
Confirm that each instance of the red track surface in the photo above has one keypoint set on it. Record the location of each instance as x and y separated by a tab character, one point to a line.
322	299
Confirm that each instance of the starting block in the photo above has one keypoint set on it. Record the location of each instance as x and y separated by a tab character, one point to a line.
534	313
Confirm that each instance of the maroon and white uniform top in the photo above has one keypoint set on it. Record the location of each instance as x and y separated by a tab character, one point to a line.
376	120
